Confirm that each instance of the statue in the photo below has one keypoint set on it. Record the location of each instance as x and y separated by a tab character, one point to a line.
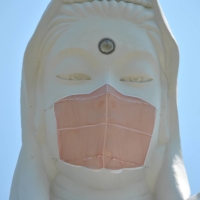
98	105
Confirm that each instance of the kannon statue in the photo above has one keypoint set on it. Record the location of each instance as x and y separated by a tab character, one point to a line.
98	105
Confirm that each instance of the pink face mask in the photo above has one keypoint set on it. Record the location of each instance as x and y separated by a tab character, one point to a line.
104	129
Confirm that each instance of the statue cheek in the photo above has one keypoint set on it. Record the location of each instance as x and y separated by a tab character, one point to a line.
51	130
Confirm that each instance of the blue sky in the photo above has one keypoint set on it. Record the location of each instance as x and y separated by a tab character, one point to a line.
18	22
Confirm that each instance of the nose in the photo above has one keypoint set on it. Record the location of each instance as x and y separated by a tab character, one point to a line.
111	79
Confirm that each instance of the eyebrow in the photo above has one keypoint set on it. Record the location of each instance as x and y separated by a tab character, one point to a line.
138	55
71	51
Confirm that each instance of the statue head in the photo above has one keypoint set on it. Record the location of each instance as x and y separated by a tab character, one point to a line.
99	92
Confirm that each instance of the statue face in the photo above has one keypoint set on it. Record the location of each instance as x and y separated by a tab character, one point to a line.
70	87
75	66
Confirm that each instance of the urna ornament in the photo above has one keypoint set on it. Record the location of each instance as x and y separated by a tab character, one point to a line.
98	105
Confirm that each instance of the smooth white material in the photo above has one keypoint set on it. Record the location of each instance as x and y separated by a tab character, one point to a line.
66	44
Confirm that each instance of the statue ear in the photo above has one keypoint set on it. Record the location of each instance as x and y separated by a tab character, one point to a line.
164	130
39	117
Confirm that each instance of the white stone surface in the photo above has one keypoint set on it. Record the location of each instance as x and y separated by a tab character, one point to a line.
66	42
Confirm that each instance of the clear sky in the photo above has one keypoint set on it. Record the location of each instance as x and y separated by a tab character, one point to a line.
18	22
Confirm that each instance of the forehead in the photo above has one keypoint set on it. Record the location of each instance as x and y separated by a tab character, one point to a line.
86	34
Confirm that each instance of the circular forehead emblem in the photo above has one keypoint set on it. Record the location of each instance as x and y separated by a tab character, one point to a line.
106	46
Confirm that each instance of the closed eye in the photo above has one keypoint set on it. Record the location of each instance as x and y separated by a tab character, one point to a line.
74	77
136	79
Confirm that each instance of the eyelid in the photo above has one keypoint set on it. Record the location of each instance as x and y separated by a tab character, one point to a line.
136	79
74	77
